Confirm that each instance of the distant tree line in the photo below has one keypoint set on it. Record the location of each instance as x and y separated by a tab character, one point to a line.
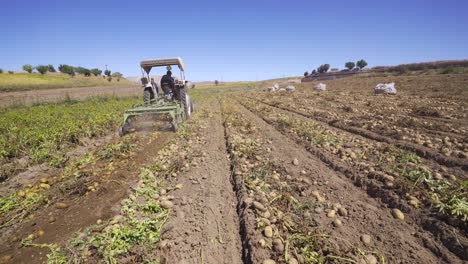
360	64
70	70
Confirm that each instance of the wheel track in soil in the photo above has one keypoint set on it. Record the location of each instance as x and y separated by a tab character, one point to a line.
437	230
204	226
421	151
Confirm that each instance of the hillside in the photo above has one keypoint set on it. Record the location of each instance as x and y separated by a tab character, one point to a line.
35	81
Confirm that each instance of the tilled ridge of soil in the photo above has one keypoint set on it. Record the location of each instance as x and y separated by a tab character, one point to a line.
399	241
447	236
203	226
69	212
420	150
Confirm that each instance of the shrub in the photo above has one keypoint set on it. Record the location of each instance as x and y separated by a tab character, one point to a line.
28	68
107	73
1	71
10	72
117	75
50	68
306	74
67	69
350	65
334	69
314	71
109	79
96	71
361	64
42	69
216	82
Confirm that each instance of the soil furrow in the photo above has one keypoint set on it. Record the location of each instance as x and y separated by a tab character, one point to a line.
203	226
375	189
422	151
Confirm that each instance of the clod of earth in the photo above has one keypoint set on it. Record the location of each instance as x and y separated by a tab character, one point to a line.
167	204
366	239
278	245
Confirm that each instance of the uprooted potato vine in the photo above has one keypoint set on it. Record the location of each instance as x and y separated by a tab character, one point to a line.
42	132
141	216
285	211
21	203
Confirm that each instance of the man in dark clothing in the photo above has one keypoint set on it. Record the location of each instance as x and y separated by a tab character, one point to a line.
168	82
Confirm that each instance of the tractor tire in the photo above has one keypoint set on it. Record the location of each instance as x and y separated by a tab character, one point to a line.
185	99
147	96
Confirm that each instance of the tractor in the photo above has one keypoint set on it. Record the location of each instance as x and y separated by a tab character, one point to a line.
171	101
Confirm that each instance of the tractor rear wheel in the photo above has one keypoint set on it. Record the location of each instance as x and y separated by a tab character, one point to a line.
147	96
185	99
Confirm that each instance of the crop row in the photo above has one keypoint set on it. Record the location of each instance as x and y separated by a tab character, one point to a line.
273	196
398	170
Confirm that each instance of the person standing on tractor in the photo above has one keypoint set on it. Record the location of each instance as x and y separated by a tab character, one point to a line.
167	82
155	87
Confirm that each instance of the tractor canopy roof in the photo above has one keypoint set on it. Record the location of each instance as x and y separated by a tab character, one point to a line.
148	64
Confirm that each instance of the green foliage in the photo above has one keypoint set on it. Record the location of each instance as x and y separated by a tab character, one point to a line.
454	70
96	72
107	73
50	68
67	69
323	68
42	69
28	68
306	73
350	65
314	71
1	71
43	131
82	70
361	64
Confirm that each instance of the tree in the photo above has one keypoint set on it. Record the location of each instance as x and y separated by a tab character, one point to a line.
96	71
50	68
1	71
306	74
314	71
323	68
216	82
117	75
66	69
42	69
350	65
28	68
107	73
361	64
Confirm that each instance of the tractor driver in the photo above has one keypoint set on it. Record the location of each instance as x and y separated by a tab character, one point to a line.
168	82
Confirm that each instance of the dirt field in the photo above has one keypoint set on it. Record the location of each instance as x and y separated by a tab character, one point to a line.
339	176
50	95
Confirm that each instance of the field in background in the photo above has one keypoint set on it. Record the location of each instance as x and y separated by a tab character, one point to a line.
34	81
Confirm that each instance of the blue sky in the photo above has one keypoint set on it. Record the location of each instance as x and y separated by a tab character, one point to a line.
233	40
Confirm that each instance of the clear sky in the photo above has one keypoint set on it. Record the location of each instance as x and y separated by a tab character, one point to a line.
233	40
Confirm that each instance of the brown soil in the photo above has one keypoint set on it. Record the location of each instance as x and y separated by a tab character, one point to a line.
51	95
204	226
398	241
